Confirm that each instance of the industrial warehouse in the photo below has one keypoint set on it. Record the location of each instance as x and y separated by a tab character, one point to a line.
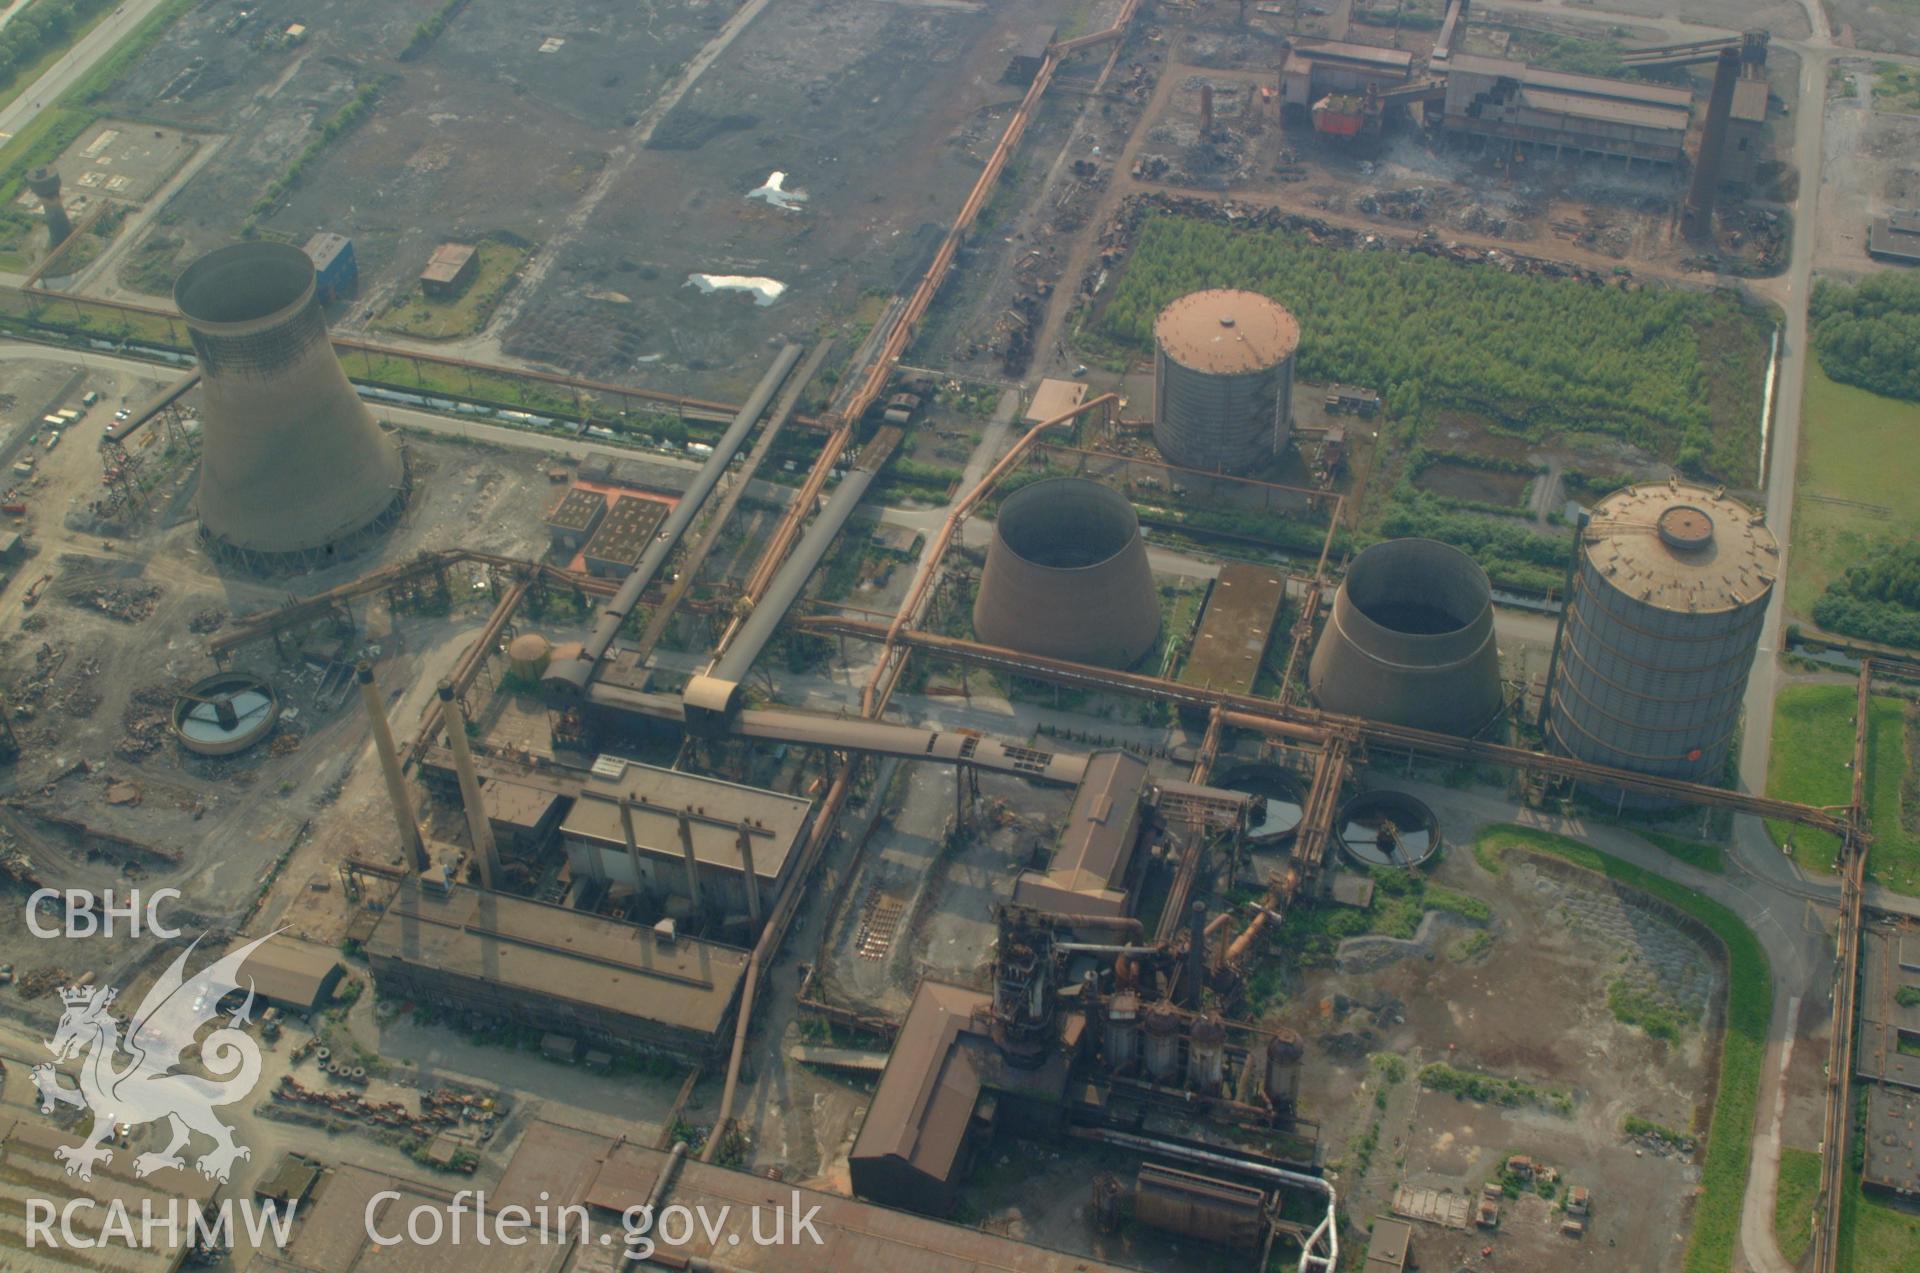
1144	637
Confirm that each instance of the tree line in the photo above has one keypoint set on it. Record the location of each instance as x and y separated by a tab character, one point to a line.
1876	601
1869	334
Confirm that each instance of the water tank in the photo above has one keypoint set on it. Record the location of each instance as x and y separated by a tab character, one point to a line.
1278	800
294	472
1669	594
1223	380
1123	1030
1067	576
1410	640
1284	1053
1163	1042
1207	1055
528	656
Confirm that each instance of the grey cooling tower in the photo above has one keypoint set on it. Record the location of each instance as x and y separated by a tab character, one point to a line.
1410	641
294	473
1067	576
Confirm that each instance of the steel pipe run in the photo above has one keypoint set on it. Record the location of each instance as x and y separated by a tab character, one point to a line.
1328	1228
572	676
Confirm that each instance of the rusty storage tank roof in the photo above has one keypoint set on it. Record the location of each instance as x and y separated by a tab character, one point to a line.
1226	331
529	647
1682	547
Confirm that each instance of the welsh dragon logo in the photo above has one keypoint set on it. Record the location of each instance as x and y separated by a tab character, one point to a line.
142	1080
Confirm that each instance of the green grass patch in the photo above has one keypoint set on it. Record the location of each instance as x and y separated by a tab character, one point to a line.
417	314
1876	1238
1907	996
1793	1202
1853	493
1810	763
1896	87
1705	857
1492	1089
1649	1010
1716	1221
1470	947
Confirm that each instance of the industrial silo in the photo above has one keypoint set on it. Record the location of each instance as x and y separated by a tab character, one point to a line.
1223	380
1410	640
1668	597
1067	576
294	472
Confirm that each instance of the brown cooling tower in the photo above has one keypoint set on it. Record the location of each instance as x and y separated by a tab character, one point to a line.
294	473
1410	640
1067	576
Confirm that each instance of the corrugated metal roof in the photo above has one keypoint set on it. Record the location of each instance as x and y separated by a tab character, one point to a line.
659	797
287	970
1224	331
1091	860
1343	50
1750	100
1682	547
566	955
928	1091
1613	112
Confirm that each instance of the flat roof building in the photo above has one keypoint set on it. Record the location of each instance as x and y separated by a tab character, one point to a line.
1390	1249
559	1166
1054	398
29	1172
1895	237
1887	966
293	975
1231	646
928	1116
1088	873
553	969
334	267
449	270
572	521
522	815
1892	1141
1315	68
671	810
624	534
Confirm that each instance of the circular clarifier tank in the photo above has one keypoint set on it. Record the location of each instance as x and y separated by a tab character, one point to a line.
1388	828
1279	798
226	713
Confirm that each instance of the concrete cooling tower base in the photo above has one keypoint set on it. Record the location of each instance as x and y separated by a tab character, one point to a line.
1410	640
1067	576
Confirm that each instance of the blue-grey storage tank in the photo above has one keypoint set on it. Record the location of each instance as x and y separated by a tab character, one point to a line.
1669	595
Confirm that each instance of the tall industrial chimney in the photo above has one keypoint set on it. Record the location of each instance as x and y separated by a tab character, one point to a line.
294	473
1697	220
478	827
411	845
45	184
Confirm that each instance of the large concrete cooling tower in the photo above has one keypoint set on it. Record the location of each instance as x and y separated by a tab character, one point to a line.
1660	631
1410	640
1223	380
294	473
1067	576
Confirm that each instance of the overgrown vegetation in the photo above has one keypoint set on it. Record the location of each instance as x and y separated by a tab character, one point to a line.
42	28
1537	355
1877	600
1637	1005
357	108
1716	1220
1866	333
1491	1089
1311	934
427	32
1645	1128
1794	1200
1810	763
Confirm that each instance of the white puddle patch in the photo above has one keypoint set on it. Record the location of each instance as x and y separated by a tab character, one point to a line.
765	291
774	191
